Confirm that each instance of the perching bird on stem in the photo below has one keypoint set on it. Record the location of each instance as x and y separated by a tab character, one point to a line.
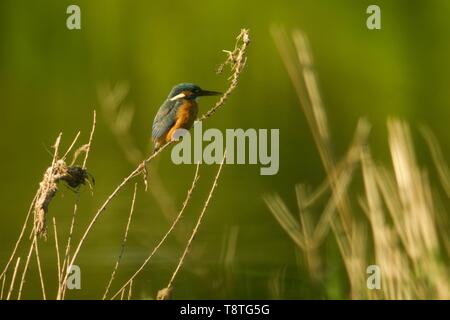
178	111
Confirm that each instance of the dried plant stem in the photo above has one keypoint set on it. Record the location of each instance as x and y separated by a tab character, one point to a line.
199	221
122	248
303	77
237	59
25	268
166	235
300	66
91	224
58	256
71	145
11	287
102	208
3	287
438	158
130	290
62	287
91	136
41	277
19	240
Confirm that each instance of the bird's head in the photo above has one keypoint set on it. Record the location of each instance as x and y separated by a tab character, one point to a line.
189	91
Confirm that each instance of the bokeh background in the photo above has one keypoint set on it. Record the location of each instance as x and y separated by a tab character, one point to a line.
49	77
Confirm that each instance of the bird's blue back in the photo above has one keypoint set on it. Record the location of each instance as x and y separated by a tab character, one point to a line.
165	118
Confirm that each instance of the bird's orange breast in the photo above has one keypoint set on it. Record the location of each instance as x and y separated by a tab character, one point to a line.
186	115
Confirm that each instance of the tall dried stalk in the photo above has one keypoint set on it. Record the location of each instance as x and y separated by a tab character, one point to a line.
13	280
86	148
306	234
165	293
19	240
41	276
398	203
58	255
298	60
438	158
25	269
133	174
122	248
236	60
166	235
3	286
299	63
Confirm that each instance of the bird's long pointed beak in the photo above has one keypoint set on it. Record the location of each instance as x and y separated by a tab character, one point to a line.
209	93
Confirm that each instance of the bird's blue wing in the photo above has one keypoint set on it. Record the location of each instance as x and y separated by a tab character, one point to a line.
165	118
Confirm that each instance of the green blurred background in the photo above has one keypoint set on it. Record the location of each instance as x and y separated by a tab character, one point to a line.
49	77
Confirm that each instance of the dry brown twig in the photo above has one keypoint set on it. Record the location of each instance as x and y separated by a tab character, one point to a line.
164	294
102	208
122	248
25	268
19	240
130	290
3	287
237	60
58	256
11	287
86	149
166	235
41	276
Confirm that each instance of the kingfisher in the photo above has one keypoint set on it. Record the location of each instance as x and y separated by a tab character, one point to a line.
179	110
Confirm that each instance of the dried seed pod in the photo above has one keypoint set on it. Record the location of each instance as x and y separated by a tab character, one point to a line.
74	176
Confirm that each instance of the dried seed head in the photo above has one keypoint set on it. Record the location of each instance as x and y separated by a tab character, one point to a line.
74	176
